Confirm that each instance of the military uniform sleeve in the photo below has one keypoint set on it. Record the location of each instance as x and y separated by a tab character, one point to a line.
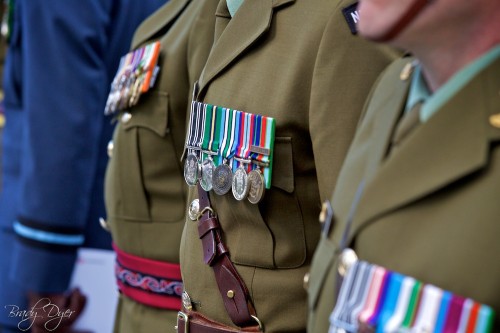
345	69
64	86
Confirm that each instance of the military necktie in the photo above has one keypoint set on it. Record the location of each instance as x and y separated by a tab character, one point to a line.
408	123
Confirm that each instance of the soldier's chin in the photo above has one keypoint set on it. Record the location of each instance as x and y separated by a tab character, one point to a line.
373	32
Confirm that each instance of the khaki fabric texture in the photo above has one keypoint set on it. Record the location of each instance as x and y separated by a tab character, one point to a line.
145	189
298	62
430	208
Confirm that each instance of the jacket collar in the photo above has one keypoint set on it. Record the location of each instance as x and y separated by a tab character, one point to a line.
451	145
161	19
235	35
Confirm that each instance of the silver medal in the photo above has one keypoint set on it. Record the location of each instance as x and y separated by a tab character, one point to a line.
194	209
240	183
191	169
207	170
256	186
221	179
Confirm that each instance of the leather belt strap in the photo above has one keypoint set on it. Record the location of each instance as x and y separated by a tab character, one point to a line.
193	322
232	288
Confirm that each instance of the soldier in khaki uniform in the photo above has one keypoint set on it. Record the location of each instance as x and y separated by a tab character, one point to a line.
298	62
418	192
145	191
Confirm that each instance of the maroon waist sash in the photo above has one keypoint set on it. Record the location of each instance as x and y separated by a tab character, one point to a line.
150	282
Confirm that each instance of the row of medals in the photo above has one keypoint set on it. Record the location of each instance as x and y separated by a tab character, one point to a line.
221	179
125	91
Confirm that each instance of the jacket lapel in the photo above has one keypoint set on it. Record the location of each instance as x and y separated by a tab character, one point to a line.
450	145
234	35
161	19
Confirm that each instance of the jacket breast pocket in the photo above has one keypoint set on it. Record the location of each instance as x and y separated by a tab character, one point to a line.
144	178
270	234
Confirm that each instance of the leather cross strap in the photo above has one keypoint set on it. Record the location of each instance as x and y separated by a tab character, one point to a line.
232	288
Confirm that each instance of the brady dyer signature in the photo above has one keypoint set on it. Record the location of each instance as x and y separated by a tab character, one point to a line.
43	311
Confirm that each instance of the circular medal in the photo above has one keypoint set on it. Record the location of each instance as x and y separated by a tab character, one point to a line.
194	209
221	179
240	183
191	169
256	186
207	170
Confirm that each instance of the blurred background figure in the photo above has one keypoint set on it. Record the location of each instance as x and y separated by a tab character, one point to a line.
61	60
3	49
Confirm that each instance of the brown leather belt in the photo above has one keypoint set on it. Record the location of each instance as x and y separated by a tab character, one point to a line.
193	322
232	288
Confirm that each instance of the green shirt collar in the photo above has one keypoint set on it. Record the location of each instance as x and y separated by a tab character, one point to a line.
433	102
233	6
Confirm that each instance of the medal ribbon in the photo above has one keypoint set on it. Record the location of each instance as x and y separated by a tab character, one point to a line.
110	109
214	143
218	123
233	136
202	109
227	134
371	296
256	135
153	59
192	127
243	133
237	133
195	127
269	144
223	131
129	71
208	130
249	139
259	140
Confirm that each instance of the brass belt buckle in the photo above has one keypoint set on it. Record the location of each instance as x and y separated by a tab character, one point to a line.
181	315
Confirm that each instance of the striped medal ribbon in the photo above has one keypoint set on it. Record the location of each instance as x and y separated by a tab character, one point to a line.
263	151
373	298
191	164
210	145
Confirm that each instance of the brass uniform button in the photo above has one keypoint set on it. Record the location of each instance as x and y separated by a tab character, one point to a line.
495	120
306	281
230	294
407	70
104	224
126	117
110	148
346	259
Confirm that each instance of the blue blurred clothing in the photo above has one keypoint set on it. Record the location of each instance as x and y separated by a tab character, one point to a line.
62	58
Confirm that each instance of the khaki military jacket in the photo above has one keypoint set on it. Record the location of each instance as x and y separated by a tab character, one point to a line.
296	61
145	190
429	208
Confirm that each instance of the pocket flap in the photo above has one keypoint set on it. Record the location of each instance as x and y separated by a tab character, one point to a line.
151	112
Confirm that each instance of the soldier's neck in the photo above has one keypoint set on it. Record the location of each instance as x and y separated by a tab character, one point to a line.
453	50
